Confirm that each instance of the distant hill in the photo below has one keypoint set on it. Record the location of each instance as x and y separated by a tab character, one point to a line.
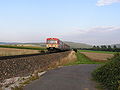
71	44
78	45
24	44
4	43
8	43
117	45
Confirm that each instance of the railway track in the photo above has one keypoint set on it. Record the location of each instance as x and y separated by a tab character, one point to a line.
26	55
22	65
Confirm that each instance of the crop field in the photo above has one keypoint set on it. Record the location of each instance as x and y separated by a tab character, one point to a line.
13	51
97	56
82	59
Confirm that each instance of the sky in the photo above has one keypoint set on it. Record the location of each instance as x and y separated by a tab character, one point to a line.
92	22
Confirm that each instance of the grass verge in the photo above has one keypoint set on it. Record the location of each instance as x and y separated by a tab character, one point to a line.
82	59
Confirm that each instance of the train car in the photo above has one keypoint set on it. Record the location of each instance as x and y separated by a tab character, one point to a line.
54	44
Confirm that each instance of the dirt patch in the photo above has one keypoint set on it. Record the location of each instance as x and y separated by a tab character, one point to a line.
97	56
12	51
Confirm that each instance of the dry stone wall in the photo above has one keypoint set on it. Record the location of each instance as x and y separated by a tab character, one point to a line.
24	66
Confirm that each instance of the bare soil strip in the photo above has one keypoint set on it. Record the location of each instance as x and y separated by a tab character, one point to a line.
97	56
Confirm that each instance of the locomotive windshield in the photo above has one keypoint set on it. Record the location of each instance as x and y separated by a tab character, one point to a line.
52	41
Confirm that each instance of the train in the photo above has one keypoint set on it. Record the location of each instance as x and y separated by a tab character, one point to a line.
55	44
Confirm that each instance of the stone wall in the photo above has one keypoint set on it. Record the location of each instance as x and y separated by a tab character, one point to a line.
24	66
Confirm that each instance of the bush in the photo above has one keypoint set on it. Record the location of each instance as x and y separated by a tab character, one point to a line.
75	49
108	75
116	54
42	51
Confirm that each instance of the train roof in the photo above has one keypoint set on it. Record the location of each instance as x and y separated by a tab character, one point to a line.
52	38
56	39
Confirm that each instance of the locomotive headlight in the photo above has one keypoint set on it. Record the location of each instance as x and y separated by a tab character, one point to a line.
56	45
47	45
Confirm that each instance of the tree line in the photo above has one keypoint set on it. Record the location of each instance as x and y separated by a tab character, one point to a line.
104	48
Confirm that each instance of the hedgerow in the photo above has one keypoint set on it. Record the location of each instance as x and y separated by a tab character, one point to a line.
108	75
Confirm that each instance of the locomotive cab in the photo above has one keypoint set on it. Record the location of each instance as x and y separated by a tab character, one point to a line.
54	44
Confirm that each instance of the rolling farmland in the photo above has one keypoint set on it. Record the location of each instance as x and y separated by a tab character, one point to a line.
13	51
97	56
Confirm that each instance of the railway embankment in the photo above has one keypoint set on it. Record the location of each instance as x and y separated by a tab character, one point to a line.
24	66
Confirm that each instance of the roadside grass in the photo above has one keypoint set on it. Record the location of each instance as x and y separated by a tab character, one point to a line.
108	52
82	59
22	47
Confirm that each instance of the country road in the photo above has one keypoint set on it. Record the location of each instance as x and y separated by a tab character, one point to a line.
66	78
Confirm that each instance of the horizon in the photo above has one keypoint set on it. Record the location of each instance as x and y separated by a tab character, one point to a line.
94	22
63	41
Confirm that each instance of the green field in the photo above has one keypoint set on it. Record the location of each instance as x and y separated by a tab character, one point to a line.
82	59
23	47
108	52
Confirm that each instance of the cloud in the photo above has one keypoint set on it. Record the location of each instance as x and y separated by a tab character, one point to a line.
96	35
98	29
103	29
106	2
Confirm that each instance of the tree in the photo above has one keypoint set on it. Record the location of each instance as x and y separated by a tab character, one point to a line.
103	48
98	48
109	48
115	48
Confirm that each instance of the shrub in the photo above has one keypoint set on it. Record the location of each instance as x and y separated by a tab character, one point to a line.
116	54
108	75
75	49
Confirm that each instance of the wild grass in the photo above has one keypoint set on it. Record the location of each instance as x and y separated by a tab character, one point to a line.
14	51
82	59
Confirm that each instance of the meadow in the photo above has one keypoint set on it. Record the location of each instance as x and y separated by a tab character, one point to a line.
82	59
9	50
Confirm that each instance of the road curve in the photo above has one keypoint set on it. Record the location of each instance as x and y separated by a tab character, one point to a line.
66	78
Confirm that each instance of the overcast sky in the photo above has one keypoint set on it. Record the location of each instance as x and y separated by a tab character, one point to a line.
83	21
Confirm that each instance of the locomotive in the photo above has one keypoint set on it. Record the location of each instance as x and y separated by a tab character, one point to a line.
54	44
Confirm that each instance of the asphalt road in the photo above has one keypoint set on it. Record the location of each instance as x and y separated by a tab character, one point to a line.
66	78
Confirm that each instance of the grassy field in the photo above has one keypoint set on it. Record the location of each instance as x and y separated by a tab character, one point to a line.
14	51
23	47
82	59
9	50
97	51
98	56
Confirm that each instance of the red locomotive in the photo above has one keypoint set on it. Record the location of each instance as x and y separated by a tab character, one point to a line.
54	44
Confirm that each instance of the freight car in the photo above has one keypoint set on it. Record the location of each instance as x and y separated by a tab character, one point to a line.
54	44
